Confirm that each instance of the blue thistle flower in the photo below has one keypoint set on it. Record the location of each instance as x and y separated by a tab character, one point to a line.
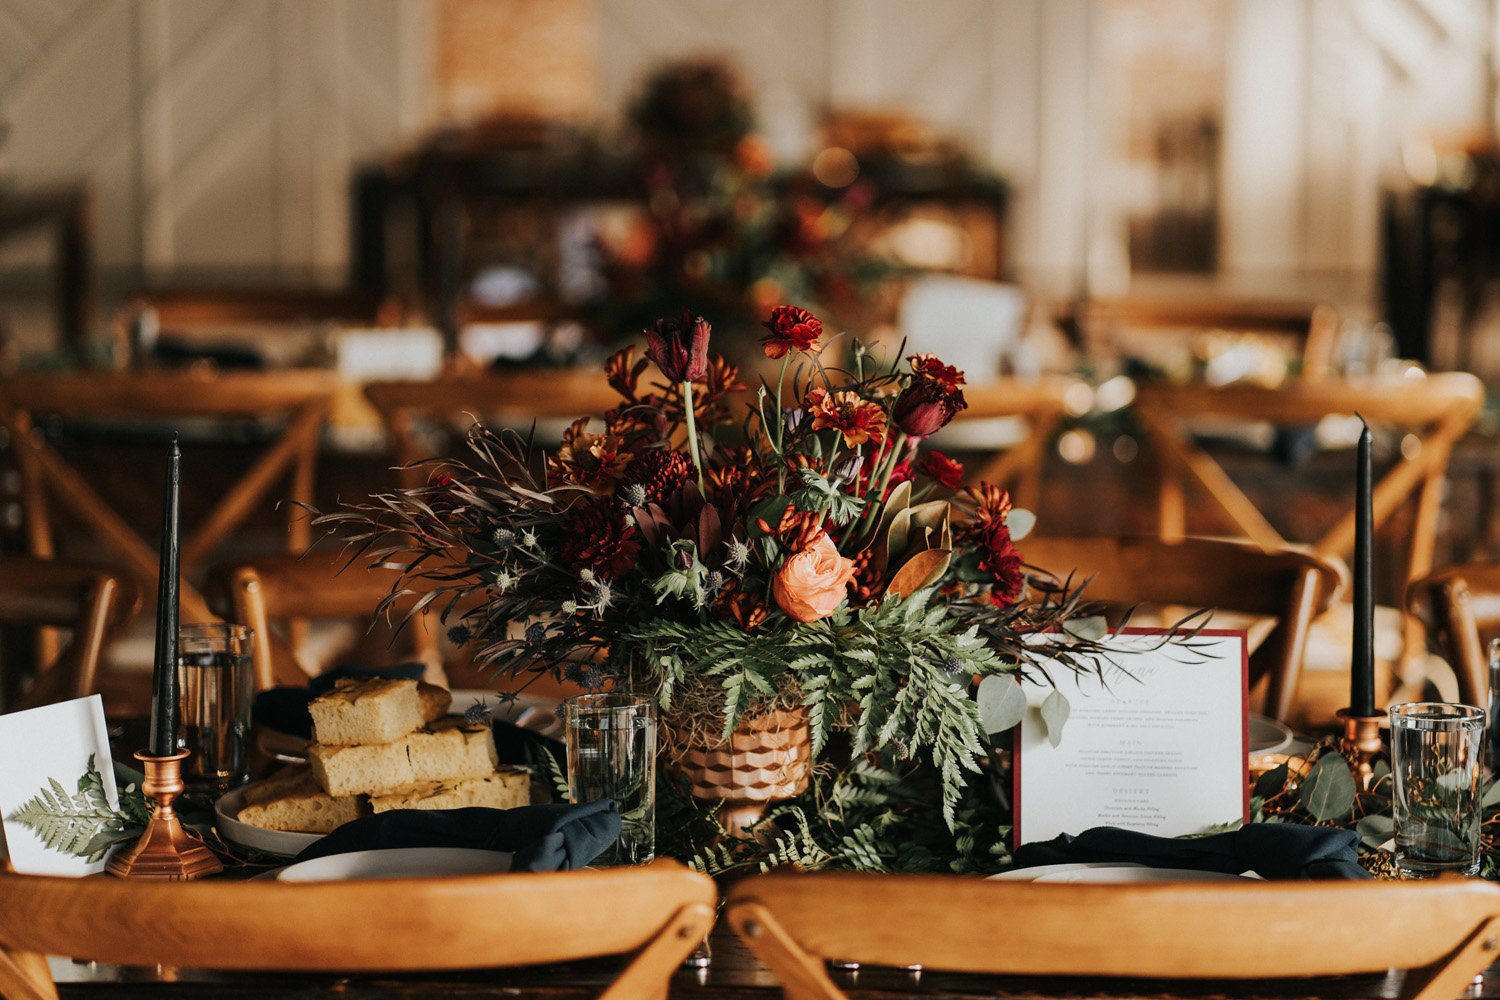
460	635
535	633
504	539
478	714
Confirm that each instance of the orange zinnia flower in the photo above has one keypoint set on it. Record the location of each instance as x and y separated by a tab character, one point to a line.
859	420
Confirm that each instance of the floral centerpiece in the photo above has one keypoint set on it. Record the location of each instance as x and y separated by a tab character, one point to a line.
795	553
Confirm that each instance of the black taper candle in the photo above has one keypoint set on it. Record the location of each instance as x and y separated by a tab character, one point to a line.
1362	665
164	668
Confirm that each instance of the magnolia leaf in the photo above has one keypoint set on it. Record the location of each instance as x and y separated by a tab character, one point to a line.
920	570
1090	629
1055	711
895	539
932	520
1020	522
1328	793
1002	703
1375	829
1272	781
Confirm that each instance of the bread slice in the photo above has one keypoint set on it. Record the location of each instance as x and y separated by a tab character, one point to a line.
295	802
435	701
361	770
378	710
507	789
450	750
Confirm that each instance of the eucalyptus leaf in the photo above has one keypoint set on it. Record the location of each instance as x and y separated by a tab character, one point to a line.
1002	703
1020	522
1272	781
1375	829
1491	795
1055	711
1091	629
1329	792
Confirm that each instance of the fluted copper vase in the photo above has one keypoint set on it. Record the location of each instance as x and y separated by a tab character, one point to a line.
768	758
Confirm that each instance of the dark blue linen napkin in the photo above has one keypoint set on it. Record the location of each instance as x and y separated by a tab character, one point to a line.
1271	850
547	838
284	709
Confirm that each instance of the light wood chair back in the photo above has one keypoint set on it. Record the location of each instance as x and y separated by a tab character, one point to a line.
1310	329
1435	412
173	308
1292	584
1043	404
90	600
1460	608
269	592
300	398
656	914
522	394
1443	932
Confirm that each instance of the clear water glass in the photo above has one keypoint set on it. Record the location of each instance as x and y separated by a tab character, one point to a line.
1493	719
1437	754
612	755
216	682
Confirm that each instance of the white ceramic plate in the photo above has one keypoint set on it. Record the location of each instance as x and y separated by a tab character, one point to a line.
1136	873
1038	871
1268	735
401	862
282	843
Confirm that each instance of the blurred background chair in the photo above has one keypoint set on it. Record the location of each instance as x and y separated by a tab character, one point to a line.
280	595
1441	932
1425	415
89	601
1460	608
1010	424
1160	581
419	415
655	915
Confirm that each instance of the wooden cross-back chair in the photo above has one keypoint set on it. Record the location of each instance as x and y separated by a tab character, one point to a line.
270	592
1460	607
1313	329
1441	932
172	308
300	399
522	395
1292	584
655	915
90	600
1042	404
1435	412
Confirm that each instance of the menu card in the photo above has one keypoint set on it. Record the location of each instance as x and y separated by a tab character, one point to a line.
56	775
1159	743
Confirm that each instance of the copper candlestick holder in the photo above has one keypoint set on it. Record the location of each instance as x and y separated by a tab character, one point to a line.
1362	747
166	850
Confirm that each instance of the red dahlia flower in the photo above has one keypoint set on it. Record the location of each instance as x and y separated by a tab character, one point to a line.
1002	561
679	347
940	467
792	329
600	540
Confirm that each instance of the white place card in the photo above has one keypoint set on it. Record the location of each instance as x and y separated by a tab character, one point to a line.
41	746
1159	743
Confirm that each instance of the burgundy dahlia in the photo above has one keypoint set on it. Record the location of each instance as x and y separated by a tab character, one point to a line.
600	540
936	465
1002	561
679	346
660	472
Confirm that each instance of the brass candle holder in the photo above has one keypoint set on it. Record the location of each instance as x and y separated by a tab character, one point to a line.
166	850
1362	747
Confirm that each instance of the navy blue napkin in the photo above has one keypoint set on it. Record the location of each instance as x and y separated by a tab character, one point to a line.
284	709
545	838
1271	850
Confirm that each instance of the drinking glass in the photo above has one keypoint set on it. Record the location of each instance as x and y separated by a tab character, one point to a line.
1493	719
1436	760
612	755
216	682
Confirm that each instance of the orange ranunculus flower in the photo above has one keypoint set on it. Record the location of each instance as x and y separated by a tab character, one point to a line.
857	419
812	583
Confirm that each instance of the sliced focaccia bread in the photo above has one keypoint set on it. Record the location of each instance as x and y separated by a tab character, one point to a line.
297	803
506	789
361	770
377	710
451	750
